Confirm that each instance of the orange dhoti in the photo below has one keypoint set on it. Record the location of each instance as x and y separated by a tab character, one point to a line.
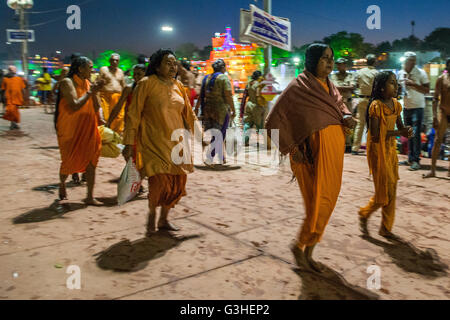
78	136
320	183
109	100
12	113
166	189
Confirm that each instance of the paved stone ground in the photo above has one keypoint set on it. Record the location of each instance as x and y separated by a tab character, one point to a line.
236	228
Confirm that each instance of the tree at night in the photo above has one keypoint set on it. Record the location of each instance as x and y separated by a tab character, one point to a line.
412	43
188	50
439	40
348	45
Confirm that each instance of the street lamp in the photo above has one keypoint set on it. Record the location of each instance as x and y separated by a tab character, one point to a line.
167	28
21	6
167	32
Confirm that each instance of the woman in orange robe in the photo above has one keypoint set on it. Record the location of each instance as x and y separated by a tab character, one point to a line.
312	120
14	87
383	113
76	125
159	107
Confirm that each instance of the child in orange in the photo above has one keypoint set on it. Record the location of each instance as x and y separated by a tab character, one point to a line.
383	113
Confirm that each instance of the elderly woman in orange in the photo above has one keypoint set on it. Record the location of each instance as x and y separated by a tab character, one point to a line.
76	116
311	117
160	106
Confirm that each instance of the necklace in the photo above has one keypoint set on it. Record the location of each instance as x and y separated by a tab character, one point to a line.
388	104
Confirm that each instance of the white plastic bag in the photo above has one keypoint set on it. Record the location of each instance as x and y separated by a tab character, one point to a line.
129	184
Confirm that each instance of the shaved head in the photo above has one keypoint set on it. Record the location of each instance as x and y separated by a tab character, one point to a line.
12	69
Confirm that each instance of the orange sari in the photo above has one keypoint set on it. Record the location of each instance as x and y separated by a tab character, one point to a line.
320	183
78	136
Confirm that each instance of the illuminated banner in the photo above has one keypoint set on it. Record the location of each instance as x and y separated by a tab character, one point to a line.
269	29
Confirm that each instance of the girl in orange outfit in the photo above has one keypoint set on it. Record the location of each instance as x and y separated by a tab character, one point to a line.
383	113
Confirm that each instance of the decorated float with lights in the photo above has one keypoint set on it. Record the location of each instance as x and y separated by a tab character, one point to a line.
241	59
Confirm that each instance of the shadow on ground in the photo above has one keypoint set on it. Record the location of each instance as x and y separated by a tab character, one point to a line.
52	188
330	285
127	256
47	148
411	259
218	168
13	134
112	201
55	211
427	167
115	180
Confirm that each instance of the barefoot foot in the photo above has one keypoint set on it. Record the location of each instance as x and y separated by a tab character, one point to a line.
168	226
62	193
387	234
299	255
150	232
316	266
429	175
92	202
363	225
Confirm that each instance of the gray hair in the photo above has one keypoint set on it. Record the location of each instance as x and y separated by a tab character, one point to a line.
115	55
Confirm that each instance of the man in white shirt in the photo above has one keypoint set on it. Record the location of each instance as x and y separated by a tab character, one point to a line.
364	81
415	85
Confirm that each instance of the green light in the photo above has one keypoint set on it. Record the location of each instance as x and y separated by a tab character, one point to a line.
127	59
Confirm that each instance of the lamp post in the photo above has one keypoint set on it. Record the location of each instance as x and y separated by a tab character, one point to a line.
20	6
268	49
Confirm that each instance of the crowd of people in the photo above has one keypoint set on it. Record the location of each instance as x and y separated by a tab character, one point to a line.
317	116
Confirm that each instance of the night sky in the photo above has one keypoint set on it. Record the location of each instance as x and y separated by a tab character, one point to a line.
134	25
